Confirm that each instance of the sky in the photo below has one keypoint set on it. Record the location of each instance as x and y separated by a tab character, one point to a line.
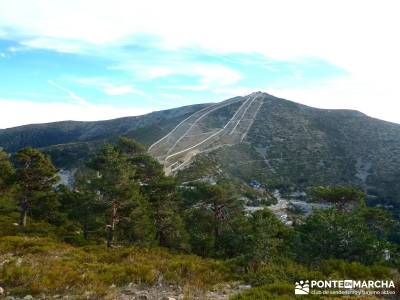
102	59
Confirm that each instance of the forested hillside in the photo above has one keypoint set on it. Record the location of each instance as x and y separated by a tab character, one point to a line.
125	228
280	143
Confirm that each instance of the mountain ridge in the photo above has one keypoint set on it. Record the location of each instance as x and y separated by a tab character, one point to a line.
86	130
278	142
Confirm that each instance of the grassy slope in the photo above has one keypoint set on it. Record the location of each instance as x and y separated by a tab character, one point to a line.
34	261
32	265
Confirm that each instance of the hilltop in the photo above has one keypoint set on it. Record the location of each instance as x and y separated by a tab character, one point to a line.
280	143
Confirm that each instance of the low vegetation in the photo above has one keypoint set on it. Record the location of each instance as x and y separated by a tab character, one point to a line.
124	222
42	265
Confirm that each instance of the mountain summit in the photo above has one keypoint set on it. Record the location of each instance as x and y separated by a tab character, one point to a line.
260	137
223	124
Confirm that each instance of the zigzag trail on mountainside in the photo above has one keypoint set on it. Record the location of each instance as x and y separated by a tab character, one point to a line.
192	136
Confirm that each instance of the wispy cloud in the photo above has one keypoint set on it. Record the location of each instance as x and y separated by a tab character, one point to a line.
70	93
193	88
118	90
208	76
15	49
59	45
110	88
206	58
33	112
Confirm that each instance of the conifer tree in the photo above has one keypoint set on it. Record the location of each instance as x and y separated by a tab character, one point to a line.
82	203
115	185
6	171
342	197
35	176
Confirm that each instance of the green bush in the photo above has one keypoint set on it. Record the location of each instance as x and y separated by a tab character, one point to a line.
282	271
339	269
44	265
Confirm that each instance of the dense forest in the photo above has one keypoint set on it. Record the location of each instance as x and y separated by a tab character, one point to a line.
123	221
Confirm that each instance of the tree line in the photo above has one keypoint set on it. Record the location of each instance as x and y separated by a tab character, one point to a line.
122	196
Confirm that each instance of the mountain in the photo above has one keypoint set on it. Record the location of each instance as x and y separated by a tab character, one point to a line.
285	145
43	135
277	142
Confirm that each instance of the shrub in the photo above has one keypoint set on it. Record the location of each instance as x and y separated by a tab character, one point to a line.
44	265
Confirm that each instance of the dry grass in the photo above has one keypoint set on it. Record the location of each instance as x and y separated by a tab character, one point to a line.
41	265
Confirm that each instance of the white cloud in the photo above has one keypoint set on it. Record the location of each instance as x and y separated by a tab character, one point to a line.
215	75
157	72
359	36
13	49
193	88
70	93
286	28
110	88
350	93
122	90
54	44
29	112
210	76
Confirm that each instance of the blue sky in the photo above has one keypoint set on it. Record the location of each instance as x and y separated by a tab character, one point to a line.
117	58
143	75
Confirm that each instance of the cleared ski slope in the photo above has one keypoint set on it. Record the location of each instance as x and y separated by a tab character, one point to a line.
189	137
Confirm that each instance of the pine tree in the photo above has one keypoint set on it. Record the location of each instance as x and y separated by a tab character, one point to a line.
161	197
212	214
165	204
82	203
266	236
35	176
116	186
6	171
342	197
